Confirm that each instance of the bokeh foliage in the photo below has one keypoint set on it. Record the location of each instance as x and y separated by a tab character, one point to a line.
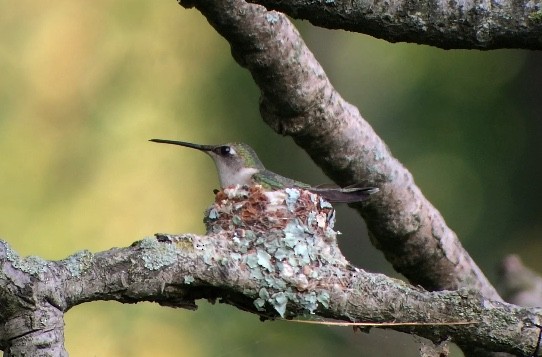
83	86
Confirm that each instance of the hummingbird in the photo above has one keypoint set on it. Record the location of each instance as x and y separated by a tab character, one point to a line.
238	164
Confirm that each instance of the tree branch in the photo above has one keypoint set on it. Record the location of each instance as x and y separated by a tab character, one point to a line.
481	25
297	99
273	254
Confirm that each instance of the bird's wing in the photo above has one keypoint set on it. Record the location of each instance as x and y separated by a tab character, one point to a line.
345	195
275	182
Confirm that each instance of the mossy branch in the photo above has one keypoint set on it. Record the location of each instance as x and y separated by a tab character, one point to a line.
272	254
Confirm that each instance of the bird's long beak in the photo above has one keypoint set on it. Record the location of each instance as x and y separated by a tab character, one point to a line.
183	143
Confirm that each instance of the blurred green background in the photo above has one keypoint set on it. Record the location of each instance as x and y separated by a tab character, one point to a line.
83	86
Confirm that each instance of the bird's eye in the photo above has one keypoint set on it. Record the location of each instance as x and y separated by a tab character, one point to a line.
225	150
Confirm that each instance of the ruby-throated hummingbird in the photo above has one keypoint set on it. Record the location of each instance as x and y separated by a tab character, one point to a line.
238	164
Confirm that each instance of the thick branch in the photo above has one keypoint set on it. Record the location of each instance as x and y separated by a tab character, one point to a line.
31	306
446	24
298	100
271	254
213	267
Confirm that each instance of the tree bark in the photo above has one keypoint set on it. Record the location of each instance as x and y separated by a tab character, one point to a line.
482	25
274	255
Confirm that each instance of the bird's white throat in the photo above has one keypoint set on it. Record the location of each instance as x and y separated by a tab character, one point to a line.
243	176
